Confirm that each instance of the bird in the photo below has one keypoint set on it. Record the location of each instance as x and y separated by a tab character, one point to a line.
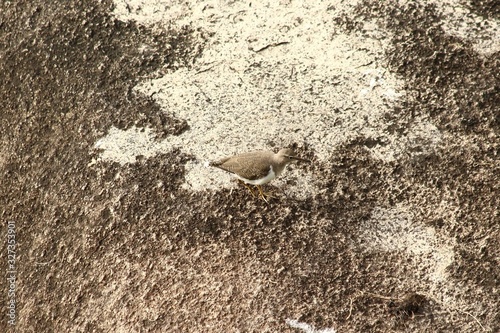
257	167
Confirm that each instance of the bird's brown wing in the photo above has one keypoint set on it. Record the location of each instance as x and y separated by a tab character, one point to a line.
248	166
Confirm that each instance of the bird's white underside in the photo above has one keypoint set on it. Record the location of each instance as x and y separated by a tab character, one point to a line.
261	181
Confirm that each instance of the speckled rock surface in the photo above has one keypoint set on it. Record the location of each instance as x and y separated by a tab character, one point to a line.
119	228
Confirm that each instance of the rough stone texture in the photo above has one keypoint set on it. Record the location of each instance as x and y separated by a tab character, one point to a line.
407	244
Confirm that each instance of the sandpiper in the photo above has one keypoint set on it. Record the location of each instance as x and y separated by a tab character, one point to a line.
257	168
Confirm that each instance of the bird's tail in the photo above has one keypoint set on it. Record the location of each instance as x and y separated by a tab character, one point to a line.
215	164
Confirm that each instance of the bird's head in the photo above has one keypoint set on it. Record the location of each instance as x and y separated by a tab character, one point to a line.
287	155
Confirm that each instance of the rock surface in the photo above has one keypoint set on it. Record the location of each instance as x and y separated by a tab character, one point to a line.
110	111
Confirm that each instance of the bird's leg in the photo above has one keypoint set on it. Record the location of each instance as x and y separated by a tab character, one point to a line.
261	193
264	195
248	187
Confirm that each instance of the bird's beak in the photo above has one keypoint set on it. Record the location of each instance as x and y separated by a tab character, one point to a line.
299	159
